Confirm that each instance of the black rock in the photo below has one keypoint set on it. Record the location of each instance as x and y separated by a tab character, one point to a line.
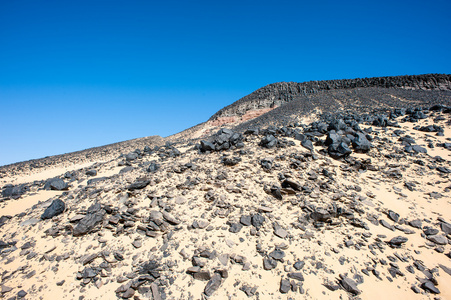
307	144
381	121
398	241
138	185
393	216
292	184
21	294
431	128
91	172
131	156
337	125
361	143
253	131
95	180
296	275
89	273
57	207
268	141
230	161
430	287
258	220
206	146
126	169
416	223
349	285
153	167
430	231
202	275
93	217
321	215
246	220
56	184
332	138
275	191
444	170
386	224
235	227
339	150
266	164
438	239
419	149
128	293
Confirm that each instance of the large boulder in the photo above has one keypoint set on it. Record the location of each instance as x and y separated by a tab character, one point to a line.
337	125
56	184
93	217
268	141
332	138
11	191
57	207
339	150
361	143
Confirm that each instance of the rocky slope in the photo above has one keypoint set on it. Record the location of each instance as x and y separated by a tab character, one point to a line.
353	201
350	205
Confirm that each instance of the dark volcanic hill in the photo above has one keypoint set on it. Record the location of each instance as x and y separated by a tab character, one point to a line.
277	94
286	102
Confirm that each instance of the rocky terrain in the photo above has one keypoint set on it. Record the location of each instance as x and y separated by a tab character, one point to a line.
349	202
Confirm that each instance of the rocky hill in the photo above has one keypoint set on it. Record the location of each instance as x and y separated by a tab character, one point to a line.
277	94
352	201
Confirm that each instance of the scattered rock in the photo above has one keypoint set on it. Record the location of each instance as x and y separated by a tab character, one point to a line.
213	285
57	207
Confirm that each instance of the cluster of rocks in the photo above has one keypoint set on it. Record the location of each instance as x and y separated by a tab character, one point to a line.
224	139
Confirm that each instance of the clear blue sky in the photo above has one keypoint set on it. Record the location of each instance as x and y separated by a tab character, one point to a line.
79	74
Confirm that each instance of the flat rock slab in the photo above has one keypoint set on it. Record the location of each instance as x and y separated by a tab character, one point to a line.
213	285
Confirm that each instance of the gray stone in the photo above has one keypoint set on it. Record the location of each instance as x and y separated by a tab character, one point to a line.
393	216
416	223
285	286
269	263
235	227
446	227
138	185
307	144
430	287
438	239
258	220
296	275
350	285
213	285
277	254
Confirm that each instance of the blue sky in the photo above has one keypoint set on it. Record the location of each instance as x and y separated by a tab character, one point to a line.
79	74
